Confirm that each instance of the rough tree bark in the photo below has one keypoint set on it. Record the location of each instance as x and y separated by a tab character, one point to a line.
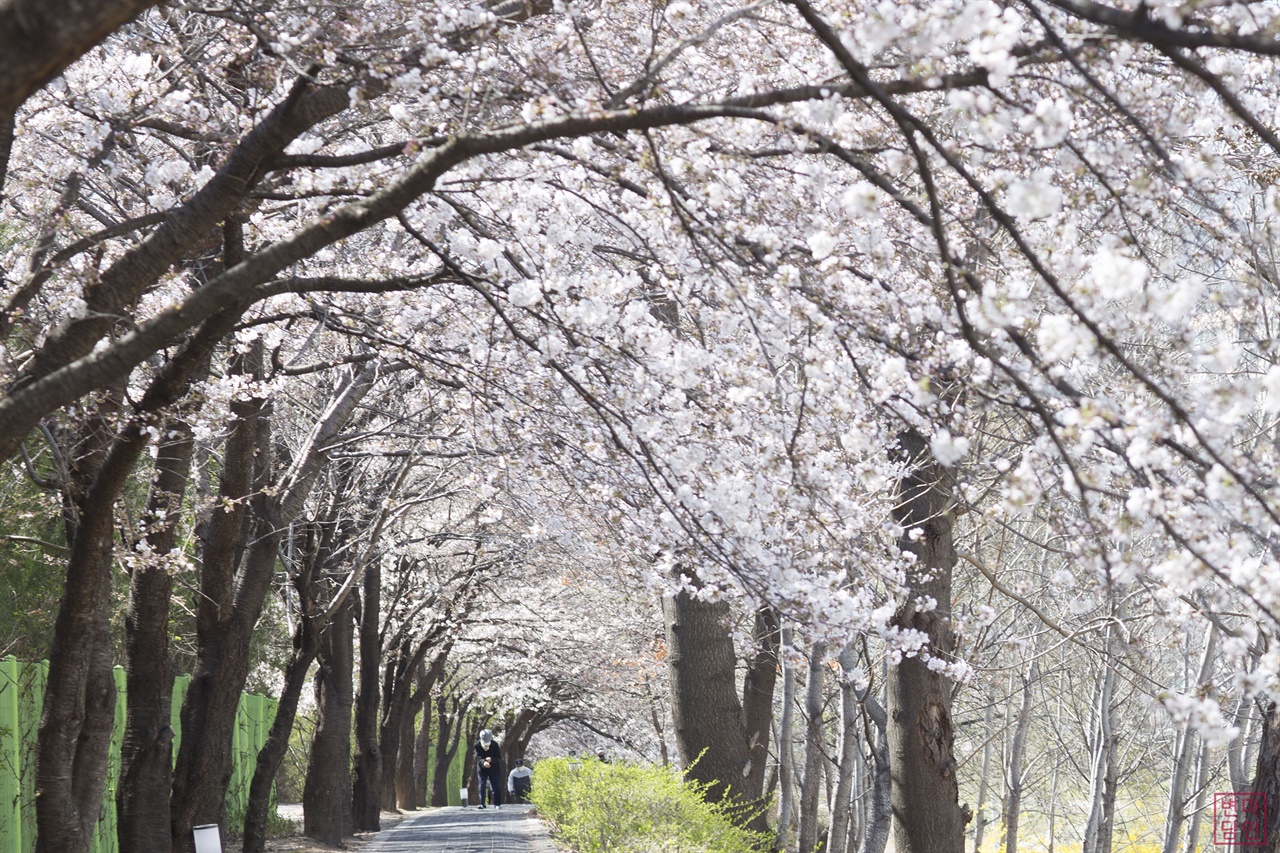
422	755
146	751
197	783
516	735
786	739
757	704
397	715
326	795
305	646
320	561
405	798
235	578
39	40
146	754
842	804
1266	777
79	701
980	814
8	127
814	749
881	807
1097	835
707	714
1013	772
80	694
927	817
366	801
1185	752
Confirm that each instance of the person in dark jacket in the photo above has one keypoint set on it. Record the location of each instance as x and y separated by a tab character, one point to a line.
489	768
519	782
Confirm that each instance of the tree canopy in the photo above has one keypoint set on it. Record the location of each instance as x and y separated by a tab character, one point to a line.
931	341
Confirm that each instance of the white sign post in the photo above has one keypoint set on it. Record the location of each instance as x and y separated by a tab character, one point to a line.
207	838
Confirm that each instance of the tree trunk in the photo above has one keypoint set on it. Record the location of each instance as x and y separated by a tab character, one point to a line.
75	732
814	750
786	740
80	695
1183	759
8	125
240	559
880	820
1053	784
516	737
757	706
326	797
404	760
1202	792
395	702
541	720
305	647
842	803
366	803
450	725
421	752
707	713
146	755
404	763
927	817
1266	778
858	807
146	752
203	768
1013	772
1106	830
1097	836
396	727
656	720
980	814
1237	767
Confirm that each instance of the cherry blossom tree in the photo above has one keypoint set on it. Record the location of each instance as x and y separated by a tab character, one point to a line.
802	298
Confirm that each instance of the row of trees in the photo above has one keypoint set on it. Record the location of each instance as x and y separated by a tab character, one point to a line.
929	343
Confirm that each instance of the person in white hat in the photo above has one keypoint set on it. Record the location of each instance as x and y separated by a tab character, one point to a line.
489	768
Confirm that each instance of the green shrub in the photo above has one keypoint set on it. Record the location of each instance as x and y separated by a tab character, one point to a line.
597	807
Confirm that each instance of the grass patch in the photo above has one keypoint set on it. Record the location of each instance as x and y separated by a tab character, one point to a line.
632	808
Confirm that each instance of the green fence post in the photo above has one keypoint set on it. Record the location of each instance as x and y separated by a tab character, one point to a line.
10	759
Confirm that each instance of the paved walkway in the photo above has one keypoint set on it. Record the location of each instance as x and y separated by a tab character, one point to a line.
459	829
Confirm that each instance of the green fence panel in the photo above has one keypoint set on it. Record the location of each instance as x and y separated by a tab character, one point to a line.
241	743
180	686
253	723
10	758
455	772
21	699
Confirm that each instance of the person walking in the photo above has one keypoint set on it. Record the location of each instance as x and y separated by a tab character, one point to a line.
489	768
519	782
